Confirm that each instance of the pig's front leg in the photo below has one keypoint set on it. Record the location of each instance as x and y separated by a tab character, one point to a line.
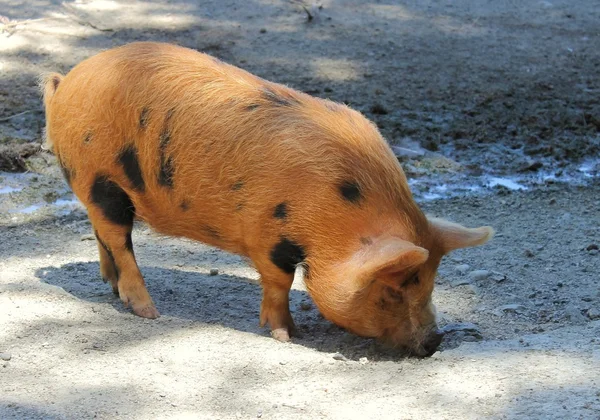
275	306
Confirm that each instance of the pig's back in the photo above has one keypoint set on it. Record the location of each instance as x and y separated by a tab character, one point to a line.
209	151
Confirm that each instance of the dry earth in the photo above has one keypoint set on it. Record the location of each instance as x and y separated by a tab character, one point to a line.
492	87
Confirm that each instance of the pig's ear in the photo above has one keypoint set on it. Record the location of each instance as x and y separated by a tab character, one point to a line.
453	236
389	255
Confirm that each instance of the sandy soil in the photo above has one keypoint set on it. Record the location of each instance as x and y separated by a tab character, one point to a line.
492	87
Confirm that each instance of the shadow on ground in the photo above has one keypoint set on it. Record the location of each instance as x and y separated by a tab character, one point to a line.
230	301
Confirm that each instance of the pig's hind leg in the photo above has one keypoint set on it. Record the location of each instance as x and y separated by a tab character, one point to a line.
111	212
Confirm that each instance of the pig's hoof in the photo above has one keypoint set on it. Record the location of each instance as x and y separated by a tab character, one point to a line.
280	334
146	311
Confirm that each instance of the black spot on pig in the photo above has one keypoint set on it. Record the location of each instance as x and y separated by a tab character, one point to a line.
286	254
166	170
165	173
128	158
350	191
211	231
113	201
366	241
280	211
165	132
238	185
144	118
278	99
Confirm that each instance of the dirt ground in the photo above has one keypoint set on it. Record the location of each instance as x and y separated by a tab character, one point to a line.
481	92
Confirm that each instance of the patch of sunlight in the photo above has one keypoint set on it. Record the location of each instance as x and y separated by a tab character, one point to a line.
441	23
98	5
338	70
13	43
143	14
390	11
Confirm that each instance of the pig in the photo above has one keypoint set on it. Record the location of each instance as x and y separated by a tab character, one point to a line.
200	149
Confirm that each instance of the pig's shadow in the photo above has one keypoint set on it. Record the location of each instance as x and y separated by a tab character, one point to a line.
230	301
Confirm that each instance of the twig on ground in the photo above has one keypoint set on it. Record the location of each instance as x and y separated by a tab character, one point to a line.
74	14
309	15
16	115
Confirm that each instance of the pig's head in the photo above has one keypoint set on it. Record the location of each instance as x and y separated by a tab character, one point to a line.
384	288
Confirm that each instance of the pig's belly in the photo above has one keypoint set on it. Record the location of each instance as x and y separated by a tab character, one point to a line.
196	218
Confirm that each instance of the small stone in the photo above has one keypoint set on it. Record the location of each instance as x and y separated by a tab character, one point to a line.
593	313
403	152
463	281
591	247
462	268
575	315
339	356
528	253
5	356
305	306
531	166
479	275
379	109
498	277
363	360
263	30
466	327
510	308
472	289
214	271
88	237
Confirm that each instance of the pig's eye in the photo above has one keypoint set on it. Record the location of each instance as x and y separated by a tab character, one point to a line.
412	280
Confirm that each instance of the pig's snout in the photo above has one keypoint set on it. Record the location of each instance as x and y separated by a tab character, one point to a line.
432	342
